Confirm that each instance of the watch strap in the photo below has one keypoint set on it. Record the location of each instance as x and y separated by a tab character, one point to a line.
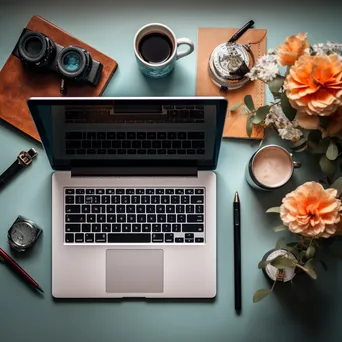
23	160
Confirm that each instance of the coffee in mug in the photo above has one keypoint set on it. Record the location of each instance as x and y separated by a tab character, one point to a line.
270	168
155	48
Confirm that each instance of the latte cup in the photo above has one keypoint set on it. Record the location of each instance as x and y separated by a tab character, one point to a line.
156	49
270	168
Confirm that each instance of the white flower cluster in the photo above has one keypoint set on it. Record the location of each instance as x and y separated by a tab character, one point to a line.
287	129
323	49
265	69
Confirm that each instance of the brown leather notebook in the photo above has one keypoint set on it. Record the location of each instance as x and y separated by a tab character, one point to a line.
208	39
17	84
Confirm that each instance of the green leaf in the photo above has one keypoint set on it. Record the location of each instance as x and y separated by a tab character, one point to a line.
304	148
337	185
310	252
288	110
261	113
283	262
263	264
309	268
260	294
273	210
327	166
235	107
292	244
278	244
279	228
249	102
276	84
332	151
249	124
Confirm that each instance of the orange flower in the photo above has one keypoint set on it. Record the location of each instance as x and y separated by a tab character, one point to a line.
292	49
314	84
334	125
311	211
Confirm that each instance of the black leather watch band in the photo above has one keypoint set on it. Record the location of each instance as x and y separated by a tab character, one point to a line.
23	160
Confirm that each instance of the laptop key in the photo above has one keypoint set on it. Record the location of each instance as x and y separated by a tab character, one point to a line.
161	218
75	218
100	191
160	209
150	209
170	209
115	199
79	238
86	228
110	208
151	218
181	218
116	228
190	209
79	199
136	228
69	238
174	199
111	218
146	227
129	238
69	199
199	191
145	199
180	209
169	237
91	218
96	228
141	218
176	228
140	209
179	240
105	199
189	240
165	199
157	237
121	218
100	237
199	239
189	191
80	191
194	218
73	209
69	191
72	228
199	209
106	228
120	209
131	218
101	218
189	235
89	238
192	228
197	199
166	228
171	218
156	228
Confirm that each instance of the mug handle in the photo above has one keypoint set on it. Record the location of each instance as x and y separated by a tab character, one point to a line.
296	165
185	41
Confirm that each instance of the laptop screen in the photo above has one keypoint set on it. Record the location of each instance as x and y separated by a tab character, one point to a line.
98	132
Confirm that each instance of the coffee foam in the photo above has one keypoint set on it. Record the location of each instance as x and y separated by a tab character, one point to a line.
272	166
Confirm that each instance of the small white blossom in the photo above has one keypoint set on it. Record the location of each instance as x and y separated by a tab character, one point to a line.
319	49
271	51
265	69
286	129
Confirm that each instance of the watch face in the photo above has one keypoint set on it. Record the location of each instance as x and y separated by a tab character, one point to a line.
22	234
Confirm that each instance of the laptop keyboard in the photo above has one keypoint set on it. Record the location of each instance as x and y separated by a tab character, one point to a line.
135	143
134	215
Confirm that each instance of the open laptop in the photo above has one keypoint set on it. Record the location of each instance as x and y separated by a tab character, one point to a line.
133	194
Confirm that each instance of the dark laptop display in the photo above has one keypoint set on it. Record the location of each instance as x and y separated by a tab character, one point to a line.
113	132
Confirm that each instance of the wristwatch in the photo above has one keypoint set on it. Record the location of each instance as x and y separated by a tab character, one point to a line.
23	234
23	160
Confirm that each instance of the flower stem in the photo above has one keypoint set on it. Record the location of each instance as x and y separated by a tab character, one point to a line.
273	285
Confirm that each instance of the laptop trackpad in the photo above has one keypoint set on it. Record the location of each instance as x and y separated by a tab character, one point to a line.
134	271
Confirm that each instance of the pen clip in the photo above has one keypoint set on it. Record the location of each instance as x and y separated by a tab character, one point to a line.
241	31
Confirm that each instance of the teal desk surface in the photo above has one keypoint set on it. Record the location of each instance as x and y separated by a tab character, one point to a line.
110	26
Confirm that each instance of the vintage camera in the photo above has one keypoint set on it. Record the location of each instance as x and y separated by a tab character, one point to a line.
37	50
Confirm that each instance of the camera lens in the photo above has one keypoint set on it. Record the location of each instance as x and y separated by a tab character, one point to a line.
74	62
36	48
33	46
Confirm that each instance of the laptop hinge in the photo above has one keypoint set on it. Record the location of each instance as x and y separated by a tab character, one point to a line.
134	171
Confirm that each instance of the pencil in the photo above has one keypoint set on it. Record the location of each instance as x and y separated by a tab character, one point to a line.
237	253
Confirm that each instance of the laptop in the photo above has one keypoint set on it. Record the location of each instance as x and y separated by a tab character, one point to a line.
133	194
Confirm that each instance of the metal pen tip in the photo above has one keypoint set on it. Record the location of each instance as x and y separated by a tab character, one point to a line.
236	197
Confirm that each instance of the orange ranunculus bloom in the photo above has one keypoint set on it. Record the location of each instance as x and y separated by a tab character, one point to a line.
314	84
292	49
311	210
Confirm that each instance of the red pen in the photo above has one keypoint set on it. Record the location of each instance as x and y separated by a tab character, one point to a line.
15	267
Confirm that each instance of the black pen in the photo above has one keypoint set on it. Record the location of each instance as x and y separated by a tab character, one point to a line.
237	253
241	31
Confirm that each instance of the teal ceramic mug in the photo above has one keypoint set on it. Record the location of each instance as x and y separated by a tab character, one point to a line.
155	47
